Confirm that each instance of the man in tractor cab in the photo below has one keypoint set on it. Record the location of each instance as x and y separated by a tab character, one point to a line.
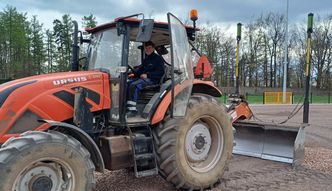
148	73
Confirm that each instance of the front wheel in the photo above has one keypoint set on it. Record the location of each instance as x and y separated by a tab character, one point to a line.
45	161
193	152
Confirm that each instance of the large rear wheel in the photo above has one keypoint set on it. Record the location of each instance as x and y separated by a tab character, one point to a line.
45	161
193	152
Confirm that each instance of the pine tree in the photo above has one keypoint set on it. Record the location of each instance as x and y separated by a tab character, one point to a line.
37	46
50	50
14	42
89	21
63	31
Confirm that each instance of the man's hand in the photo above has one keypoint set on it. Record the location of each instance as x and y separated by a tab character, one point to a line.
131	75
144	76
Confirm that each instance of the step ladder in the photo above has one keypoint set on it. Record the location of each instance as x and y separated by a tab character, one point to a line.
144	155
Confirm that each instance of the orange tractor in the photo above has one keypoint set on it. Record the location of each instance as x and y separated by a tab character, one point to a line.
57	129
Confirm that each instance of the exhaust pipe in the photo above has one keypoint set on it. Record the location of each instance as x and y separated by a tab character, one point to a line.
75	49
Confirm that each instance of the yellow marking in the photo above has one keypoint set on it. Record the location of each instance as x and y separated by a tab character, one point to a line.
308	57
237	59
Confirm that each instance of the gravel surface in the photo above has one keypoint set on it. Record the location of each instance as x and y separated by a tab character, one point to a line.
318	159
125	180
250	174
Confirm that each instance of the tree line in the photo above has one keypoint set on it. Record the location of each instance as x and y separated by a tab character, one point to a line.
26	49
262	53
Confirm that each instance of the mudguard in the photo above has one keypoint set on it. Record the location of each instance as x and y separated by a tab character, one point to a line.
83	138
199	86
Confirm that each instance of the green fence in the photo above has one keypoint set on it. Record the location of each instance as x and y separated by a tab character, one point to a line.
259	99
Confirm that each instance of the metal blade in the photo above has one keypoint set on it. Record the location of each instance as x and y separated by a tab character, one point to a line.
269	141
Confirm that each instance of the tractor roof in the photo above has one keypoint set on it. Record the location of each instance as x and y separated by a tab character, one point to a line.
134	22
160	34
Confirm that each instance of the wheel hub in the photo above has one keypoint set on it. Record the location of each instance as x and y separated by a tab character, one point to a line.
42	183
198	142
44	176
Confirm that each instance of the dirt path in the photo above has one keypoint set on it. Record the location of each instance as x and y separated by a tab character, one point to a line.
254	174
250	174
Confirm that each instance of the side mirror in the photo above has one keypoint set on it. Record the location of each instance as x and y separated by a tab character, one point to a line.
145	30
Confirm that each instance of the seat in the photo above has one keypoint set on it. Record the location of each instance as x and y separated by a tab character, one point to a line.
148	91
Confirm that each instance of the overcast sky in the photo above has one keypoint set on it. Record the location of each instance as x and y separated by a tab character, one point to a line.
222	12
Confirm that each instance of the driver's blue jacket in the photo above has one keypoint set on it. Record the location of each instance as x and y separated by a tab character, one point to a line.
153	66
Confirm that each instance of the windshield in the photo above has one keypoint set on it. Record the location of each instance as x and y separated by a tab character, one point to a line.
181	50
135	53
105	51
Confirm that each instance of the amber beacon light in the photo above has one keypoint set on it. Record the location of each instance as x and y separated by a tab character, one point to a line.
193	15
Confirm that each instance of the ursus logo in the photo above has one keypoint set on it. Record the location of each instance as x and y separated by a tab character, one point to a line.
69	80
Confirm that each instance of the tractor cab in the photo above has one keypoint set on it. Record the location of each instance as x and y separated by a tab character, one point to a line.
117	47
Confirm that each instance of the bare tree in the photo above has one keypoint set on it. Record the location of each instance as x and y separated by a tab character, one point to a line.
209	43
274	31
321	46
228	65
254	40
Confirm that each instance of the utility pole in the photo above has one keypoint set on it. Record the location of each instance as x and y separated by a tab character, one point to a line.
284	86
238	39
307	71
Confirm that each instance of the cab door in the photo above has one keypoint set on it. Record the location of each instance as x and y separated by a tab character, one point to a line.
182	70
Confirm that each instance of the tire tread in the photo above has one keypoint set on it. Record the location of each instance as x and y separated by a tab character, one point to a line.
165	141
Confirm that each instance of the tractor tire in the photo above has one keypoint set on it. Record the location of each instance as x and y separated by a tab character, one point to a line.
45	161
193	152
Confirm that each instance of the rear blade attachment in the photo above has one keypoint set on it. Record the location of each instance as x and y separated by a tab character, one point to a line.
270	141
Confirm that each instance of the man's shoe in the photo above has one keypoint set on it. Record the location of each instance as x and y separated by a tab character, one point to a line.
131	114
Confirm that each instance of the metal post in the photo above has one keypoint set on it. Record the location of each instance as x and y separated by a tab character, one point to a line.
284	86
203	71
238	38
292	98
307	73
124	76
329	99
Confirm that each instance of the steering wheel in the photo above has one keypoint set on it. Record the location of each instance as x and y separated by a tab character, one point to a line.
130	72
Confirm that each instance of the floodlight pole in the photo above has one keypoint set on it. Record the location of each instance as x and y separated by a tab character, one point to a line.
307	71
284	86
238	38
